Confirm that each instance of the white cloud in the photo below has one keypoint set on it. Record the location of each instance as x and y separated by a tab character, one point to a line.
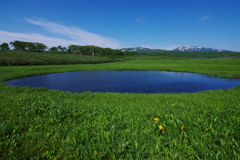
79	35
205	17
33	37
74	36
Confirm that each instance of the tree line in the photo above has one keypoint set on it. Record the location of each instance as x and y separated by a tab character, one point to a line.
76	49
25	46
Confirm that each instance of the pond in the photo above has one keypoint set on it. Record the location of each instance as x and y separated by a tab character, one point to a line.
126	82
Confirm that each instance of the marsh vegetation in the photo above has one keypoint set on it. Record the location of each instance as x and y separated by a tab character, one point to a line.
36	123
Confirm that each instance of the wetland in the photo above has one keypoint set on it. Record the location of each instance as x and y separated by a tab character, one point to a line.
126	82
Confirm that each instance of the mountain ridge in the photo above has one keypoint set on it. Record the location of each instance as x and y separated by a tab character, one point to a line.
185	48
198	49
141	49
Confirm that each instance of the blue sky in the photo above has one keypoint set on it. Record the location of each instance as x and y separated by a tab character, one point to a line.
164	24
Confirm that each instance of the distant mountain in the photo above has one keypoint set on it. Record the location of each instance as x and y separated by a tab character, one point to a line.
199	49
186	48
141	49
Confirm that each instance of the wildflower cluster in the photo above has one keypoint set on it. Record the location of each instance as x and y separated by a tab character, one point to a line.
161	127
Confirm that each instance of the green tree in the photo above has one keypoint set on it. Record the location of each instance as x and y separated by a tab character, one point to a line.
4	46
53	49
34	46
19	45
62	49
31	46
118	52
92	50
74	49
40	47
84	50
107	51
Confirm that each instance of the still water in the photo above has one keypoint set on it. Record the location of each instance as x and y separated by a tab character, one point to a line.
126	82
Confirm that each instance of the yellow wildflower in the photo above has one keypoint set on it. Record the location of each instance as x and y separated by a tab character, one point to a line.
207	129
182	127
172	104
156	119
161	127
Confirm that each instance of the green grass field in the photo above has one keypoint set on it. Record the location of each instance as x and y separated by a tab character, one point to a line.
36	123
18	58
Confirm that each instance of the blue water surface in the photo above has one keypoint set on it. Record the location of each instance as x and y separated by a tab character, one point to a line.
126	82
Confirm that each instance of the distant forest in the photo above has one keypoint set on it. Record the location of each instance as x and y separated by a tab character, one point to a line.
98	51
76	49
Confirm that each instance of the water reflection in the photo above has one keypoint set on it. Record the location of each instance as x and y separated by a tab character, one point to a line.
126	82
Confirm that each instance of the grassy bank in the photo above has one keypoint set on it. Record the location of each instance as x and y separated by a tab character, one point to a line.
36	123
213	67
17	58
196	54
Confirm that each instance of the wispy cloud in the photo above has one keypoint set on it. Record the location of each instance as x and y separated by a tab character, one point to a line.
6	36
77	34
73	35
205	17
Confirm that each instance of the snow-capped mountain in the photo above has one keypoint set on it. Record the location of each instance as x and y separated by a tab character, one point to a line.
193	48
186	48
141	49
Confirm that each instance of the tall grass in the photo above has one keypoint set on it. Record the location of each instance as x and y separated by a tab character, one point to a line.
36	123
17	58
196	54
228	68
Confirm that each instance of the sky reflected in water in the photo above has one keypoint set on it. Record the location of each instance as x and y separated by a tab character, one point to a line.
126	82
